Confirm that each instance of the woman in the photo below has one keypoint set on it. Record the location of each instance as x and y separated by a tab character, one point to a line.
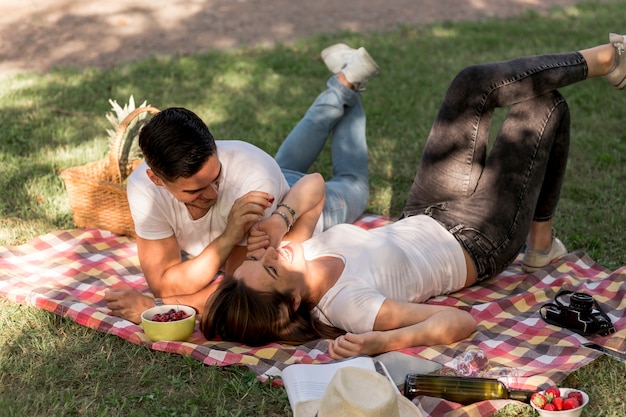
467	216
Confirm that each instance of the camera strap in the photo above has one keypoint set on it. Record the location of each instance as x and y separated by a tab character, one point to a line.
558	306
554	306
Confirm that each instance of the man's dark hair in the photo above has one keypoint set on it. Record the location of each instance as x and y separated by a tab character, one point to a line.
176	143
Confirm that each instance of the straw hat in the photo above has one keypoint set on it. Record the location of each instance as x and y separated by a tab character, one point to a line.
357	392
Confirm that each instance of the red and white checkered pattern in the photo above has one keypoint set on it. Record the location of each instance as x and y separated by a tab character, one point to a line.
67	272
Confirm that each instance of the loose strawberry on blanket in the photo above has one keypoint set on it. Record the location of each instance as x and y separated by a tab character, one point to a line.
538	399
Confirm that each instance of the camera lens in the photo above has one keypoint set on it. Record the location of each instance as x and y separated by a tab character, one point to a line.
582	302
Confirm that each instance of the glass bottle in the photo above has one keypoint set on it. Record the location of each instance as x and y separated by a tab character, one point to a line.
461	390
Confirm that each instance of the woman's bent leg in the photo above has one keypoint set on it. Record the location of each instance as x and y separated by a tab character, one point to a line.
455	152
522	177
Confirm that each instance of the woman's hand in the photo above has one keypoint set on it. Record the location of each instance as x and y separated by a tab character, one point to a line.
402	325
257	239
306	198
350	344
266	233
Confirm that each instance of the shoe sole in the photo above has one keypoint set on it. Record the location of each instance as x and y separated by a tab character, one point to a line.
621	84
530	268
368	60
618	80
370	70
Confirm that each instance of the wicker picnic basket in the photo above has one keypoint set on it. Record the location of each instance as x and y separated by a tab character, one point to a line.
97	190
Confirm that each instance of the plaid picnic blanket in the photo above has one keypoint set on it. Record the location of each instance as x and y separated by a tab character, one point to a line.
67	272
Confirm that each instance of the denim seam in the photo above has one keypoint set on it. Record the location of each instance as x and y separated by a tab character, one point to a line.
560	100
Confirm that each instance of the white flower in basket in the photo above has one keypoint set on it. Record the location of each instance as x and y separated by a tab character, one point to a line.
129	148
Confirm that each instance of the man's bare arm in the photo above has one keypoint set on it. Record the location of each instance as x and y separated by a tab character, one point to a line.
161	260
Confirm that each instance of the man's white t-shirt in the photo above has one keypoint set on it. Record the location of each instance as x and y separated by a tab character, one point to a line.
158	215
410	260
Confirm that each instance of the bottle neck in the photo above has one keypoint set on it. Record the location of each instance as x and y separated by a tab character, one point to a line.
520	395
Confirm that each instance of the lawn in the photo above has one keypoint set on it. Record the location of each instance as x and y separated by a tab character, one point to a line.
52	366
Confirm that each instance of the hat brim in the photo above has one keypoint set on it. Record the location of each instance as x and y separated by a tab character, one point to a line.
307	408
408	408
405	407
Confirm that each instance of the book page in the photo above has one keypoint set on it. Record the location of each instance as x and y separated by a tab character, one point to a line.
304	382
399	364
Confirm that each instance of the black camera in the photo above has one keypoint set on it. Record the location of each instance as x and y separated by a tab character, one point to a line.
582	315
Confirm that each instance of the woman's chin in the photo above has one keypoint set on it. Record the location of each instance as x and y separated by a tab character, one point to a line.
286	253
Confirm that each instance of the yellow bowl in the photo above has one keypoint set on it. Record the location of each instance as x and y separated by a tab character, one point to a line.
169	330
564	413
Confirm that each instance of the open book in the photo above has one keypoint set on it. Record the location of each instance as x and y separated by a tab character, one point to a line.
305	382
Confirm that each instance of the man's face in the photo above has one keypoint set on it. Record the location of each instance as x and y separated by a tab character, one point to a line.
199	190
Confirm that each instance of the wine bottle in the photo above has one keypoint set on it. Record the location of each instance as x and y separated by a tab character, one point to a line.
461	389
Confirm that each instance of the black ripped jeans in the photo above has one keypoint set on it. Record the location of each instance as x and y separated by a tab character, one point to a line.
489	200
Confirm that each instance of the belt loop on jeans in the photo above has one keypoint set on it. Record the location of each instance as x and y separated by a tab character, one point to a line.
457	228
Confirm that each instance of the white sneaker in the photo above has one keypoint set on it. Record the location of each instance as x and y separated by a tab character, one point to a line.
617	76
337	56
361	69
535	260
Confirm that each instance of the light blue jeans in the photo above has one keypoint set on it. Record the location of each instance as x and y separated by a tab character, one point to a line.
336	112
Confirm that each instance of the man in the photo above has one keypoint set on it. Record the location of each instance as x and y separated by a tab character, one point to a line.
202	196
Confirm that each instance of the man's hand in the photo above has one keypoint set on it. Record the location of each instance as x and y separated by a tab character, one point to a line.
247	210
127	303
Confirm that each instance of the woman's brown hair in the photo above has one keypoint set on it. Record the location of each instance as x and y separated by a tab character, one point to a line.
237	313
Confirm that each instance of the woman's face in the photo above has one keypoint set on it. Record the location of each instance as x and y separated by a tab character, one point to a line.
279	269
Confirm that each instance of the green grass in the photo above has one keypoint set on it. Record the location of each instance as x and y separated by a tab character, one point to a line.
52	366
